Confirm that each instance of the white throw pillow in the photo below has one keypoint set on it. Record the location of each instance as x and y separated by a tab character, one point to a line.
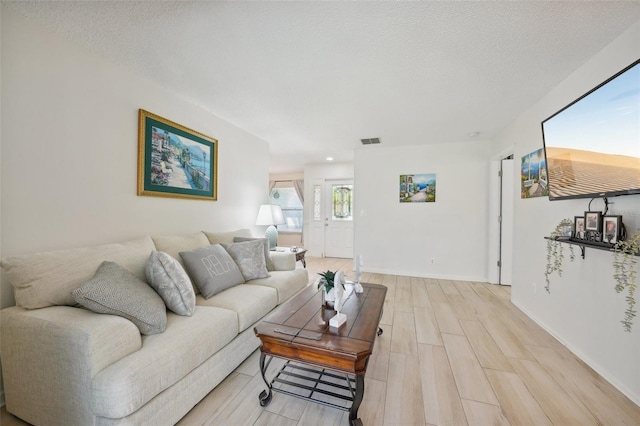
171	282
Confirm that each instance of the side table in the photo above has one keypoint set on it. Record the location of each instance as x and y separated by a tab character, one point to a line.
300	256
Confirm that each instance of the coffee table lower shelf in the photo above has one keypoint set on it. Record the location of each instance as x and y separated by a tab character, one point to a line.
315	384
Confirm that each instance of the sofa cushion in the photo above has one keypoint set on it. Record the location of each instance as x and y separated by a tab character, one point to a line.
47	278
116	291
226	237
249	256
164	359
212	269
174	244
167	277
286	283
267	253
248	301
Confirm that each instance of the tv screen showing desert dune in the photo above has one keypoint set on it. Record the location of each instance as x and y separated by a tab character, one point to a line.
575	172
593	145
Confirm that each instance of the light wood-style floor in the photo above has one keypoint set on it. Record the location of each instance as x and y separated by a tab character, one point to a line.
452	353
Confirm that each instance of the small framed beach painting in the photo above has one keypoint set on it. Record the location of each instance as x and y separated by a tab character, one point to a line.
174	161
418	188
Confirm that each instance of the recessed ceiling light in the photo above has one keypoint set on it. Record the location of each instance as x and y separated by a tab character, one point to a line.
329	158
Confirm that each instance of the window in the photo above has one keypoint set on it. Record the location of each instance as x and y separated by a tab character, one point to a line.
288	200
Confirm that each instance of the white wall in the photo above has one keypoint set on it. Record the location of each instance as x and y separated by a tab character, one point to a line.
582	310
70	151
402	238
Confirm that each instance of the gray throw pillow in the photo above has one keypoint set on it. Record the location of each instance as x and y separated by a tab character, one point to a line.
171	282
249	256
212	269
267	255
116	291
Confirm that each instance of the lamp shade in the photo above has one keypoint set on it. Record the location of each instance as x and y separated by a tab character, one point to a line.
270	214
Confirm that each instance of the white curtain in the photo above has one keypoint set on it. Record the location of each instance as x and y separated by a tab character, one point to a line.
298	185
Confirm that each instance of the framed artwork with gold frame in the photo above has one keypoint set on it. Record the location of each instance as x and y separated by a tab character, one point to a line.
175	161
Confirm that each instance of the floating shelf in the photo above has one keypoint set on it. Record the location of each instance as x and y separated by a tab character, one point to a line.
582	244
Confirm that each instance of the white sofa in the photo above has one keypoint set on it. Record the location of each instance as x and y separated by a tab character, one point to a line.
65	365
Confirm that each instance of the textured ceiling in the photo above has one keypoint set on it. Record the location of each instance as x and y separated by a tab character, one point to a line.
313	78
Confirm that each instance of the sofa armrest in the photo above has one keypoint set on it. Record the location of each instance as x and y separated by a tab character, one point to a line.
50	355
283	260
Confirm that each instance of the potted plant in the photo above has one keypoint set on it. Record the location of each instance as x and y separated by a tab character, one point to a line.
327	283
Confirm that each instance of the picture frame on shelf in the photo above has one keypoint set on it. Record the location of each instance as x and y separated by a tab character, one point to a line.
175	161
611	229
593	221
578	226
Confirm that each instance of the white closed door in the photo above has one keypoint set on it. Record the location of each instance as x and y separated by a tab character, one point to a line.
506	221
338	219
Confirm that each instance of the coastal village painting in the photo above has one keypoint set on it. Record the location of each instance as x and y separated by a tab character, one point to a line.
419	188
175	161
533	175
179	162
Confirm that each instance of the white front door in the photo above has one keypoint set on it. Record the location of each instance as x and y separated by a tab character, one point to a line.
338	219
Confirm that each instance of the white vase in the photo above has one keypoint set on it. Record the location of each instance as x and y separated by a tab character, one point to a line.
330	296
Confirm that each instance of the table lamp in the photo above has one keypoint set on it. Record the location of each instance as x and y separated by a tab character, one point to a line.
270	215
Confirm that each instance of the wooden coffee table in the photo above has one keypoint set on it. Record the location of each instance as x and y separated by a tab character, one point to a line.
324	364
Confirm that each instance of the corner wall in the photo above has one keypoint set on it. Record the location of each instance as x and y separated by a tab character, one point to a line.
582	310
402	238
70	151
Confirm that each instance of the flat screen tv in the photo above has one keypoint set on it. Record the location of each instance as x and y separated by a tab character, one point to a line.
592	146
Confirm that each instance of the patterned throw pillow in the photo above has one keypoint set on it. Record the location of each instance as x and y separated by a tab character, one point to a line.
212	269
116	291
249	256
267	255
171	282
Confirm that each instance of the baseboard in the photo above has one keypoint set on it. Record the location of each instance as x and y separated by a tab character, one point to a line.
406	273
591	363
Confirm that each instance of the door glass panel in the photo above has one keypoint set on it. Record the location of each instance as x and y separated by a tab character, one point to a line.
342	202
316	202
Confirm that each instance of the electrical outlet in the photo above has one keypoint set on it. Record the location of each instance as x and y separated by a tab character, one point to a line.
433	261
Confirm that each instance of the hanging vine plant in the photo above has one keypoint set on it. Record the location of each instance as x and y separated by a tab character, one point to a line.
626	275
555	254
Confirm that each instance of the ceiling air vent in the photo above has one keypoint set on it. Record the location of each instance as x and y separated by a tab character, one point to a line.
371	141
